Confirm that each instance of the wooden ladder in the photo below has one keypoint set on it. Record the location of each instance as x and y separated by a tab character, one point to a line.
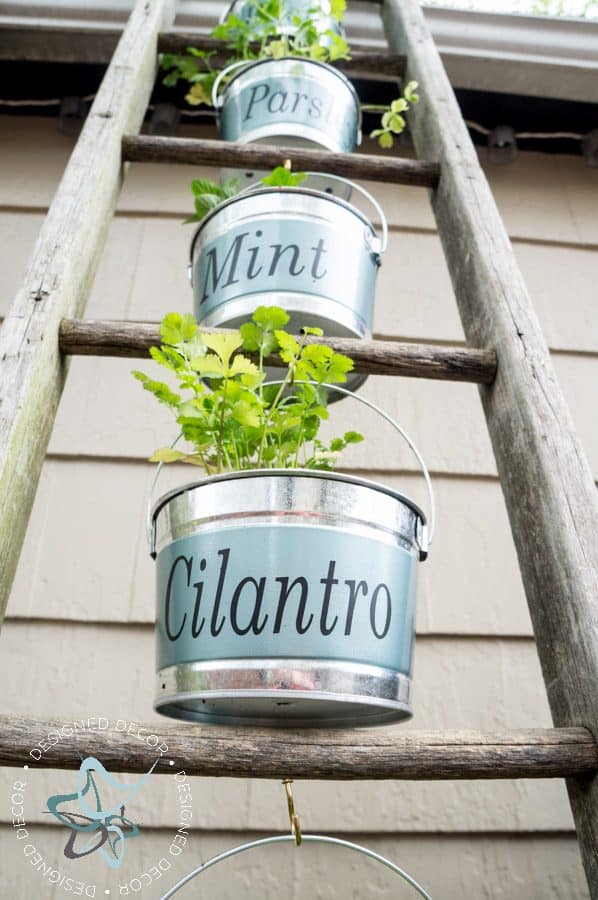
546	480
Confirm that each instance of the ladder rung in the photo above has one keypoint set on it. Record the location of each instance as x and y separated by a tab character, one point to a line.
92	337
363	61
194	151
340	755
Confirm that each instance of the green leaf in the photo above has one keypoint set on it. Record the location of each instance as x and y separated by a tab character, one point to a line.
224	345
201	186
247	413
252	336
338	9
282	177
277	49
199	93
175	328
162	359
201	54
167	455
288	346
270	317
311	329
318	53
243	366
208	366
396	123
353	437
386	140
410	92
399	105
337	47
160	390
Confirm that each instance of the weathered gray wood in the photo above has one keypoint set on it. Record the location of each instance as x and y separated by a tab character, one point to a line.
344	754
133	339
194	151
547	482
60	273
57	42
363	61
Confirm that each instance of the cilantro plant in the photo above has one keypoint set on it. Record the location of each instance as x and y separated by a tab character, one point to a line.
229	416
392	121
262	32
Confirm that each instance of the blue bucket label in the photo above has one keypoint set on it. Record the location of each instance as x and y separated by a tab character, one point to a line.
271	591
278	254
294	101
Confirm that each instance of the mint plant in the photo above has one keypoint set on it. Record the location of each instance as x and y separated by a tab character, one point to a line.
260	34
232	419
207	195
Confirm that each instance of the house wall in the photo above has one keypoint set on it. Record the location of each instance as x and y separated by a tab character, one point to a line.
78	636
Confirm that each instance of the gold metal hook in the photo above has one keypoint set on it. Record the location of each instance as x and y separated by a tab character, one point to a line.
293	817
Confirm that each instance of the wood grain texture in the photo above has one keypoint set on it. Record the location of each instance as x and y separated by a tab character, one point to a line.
88	337
364	61
196	151
60	273
546	479
342	754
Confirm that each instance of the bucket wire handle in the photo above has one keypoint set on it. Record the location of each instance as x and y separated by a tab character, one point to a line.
216	99
287	838
427	531
360	190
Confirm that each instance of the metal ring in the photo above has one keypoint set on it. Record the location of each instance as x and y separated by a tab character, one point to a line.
285	839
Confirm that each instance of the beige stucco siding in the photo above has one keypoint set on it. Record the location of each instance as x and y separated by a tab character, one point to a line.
82	601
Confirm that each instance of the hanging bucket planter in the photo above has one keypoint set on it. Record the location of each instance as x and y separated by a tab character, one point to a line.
248	11
290	101
287	597
306	251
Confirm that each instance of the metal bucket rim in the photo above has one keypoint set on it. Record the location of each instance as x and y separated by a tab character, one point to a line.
267	189
162	501
252	64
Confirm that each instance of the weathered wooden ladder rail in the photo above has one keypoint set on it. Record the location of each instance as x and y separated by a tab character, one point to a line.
339	755
89	337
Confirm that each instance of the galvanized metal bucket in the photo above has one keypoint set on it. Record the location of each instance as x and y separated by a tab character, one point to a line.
307	251
287	597
287	100
247	10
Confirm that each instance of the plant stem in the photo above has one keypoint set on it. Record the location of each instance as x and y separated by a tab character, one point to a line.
221	427
372	107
